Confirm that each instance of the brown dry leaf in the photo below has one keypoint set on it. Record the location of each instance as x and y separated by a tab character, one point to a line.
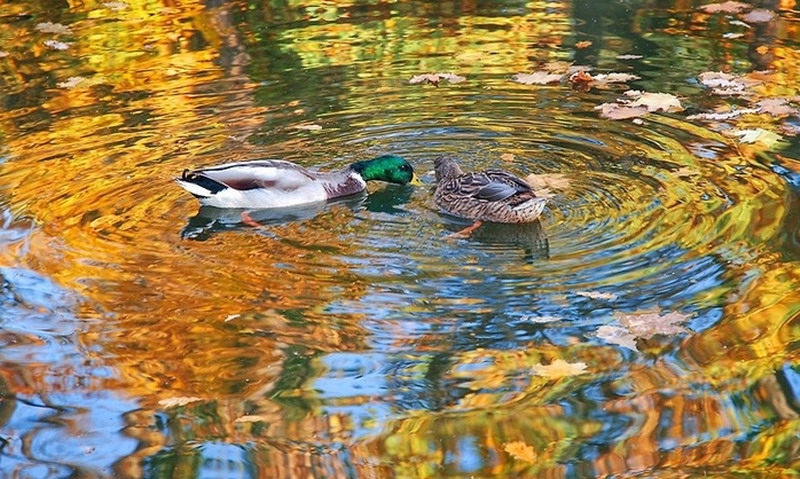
583	44
556	181
789	129
646	324
658	102
50	27
559	369
596	295
604	78
508	157
615	111
776	107
628	57
436	78
759	15
537	78
722	116
617	335
177	401
725	7
726	83
520	450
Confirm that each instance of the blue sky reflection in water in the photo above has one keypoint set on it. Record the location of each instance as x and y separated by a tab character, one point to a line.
646	326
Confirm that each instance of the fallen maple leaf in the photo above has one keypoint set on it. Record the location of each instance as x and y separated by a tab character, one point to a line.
658	102
758	15
537	78
727	115
776	107
790	129
56	45
617	335
758	135
559	369
615	111
725	7
596	294
646	324
507	157
50	27
583	44
177	401
436	78
520	450
613	78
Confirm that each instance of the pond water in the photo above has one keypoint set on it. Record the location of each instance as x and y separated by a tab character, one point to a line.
647	325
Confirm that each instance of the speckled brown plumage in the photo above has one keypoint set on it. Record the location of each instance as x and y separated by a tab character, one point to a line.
491	195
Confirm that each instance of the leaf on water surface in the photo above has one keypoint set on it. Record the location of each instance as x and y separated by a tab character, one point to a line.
556	181
50	27
758	15
629	57
776	107
725	7
56	45
508	157
646	324
177	401
615	111
3	54
520	450
254	418
596	295
116	5
758	135
605	78
537	78
732	36
617	335
559	369
565	67
436	78
542	319
685	171
658	102
726	84
308	127
725	115
583	44
762	49
789	129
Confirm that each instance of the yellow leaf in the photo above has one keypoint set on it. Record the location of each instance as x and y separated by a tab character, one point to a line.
559	369
520	450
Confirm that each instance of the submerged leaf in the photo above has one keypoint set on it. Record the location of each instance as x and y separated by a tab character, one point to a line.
542	319
725	7
583	44
520	450
56	45
537	78
596	294
759	15
617	335
559	369
507	157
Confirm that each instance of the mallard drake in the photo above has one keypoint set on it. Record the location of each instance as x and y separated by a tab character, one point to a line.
281	184
495	196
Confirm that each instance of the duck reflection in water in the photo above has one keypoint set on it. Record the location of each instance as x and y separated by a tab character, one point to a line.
531	237
210	220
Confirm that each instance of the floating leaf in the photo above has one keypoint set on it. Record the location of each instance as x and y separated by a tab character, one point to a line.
628	57
116	5
646	324
3	54
732	36
758	135
507	157
56	45
776	107
254	418
542	319
762	49
759	15
659	102
604	78
71	82
727	115
520	450
559	369
615	111
436	78
49	27
725	7
583	44
308	127
556	181
617	335
596	295
537	78
177	401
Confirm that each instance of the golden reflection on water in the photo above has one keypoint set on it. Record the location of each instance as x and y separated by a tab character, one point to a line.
355	342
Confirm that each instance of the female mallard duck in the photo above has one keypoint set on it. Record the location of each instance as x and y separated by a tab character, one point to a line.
280	184
496	196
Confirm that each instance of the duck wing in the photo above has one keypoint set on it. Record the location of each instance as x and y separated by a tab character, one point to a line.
249	175
492	185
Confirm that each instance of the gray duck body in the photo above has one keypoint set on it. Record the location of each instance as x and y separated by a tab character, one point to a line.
492	195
